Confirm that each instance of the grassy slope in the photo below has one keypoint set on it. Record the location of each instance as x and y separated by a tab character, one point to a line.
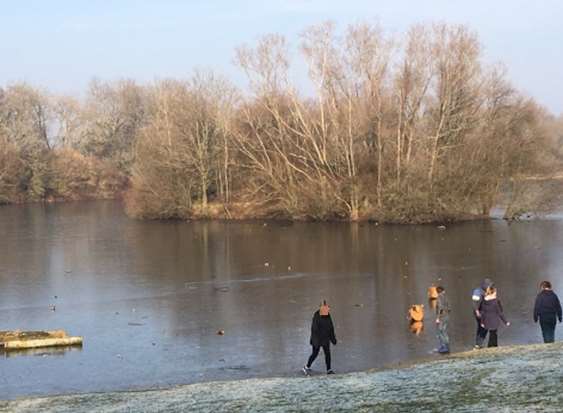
511	379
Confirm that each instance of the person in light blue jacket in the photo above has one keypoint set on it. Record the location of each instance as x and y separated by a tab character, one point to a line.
477	296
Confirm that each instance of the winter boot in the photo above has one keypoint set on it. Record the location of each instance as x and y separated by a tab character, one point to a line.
444	349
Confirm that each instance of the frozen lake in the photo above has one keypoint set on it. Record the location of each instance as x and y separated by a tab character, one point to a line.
150	297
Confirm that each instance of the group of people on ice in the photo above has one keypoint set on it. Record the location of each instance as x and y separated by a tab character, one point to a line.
487	310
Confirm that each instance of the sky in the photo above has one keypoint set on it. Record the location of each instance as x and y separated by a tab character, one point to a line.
60	45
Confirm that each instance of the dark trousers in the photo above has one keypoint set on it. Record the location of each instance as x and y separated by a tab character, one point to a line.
480	334
547	325
315	353
493	337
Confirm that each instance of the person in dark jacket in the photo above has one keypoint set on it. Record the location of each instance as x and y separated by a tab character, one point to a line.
546	310
491	315
322	334
477	296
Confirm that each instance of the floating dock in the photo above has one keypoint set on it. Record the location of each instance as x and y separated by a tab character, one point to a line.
17	340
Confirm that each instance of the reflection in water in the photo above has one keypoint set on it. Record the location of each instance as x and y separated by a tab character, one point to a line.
40	352
416	327
150	297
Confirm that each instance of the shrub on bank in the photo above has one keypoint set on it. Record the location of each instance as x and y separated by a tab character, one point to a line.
59	175
74	176
12	171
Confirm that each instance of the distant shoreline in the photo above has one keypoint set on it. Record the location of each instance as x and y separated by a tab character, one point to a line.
239	213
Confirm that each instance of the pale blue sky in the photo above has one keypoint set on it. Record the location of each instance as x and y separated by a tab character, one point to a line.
62	44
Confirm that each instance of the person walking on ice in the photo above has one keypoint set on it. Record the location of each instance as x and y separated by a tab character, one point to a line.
442	320
322	334
547	310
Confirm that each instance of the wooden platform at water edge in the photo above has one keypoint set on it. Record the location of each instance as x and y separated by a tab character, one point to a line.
17	340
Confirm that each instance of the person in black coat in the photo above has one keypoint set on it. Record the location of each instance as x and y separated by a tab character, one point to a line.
322	334
477	296
546	310
491	314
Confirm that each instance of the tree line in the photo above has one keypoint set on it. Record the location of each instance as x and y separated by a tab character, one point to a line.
410	128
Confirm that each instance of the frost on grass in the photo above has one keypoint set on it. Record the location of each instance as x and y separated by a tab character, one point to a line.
511	379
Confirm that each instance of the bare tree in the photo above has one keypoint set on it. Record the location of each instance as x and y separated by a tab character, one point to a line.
67	114
411	86
11	171
25	115
413	129
455	53
111	118
186	142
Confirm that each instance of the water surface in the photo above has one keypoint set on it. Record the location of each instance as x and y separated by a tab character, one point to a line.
150	297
